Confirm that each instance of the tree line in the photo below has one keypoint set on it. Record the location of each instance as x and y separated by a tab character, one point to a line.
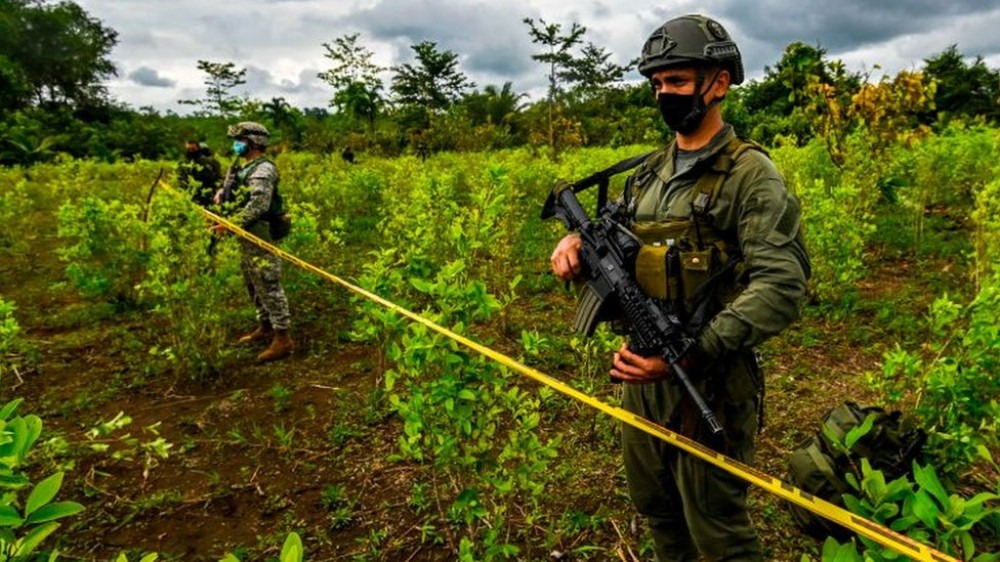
54	63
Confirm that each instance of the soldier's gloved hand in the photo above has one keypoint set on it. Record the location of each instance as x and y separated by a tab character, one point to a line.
565	258
634	368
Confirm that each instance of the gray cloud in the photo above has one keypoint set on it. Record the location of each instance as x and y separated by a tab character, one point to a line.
145	76
489	38
281	40
843	25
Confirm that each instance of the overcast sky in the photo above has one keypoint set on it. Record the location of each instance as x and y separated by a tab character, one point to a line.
280	41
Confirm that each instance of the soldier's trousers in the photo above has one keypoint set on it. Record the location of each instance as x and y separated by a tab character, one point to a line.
262	277
691	506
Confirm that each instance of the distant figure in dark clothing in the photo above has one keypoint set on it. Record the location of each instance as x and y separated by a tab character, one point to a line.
347	154
199	174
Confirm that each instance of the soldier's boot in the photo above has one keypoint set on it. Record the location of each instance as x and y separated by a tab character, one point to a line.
281	346
264	332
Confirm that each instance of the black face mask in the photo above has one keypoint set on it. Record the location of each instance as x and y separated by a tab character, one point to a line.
683	113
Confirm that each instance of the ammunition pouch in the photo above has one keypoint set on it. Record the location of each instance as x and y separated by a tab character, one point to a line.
669	267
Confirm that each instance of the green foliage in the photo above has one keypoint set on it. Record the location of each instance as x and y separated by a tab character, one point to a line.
12	347
220	79
963	89
922	509
189	289
986	232
339	507
106	255
433	82
108	437
355	80
25	522
53	54
783	103
836	220
292	550
953	378
558	54
950	171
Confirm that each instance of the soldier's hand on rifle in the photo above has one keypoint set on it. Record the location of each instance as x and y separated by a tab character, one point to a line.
565	258
634	368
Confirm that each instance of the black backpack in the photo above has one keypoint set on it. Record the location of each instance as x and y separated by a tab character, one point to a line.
819	466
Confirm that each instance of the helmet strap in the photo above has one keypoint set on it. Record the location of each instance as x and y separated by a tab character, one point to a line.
698	107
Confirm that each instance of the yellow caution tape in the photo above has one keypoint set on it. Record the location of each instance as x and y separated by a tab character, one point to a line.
865	527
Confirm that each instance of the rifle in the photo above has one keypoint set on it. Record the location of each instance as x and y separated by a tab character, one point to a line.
149	196
229	181
607	255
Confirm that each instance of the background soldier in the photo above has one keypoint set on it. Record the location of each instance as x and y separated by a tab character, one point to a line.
715	199
251	190
347	154
199	174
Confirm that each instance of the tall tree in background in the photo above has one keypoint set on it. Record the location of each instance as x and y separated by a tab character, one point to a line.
357	88
963	88
220	80
592	73
558	55
433	82
426	88
53	54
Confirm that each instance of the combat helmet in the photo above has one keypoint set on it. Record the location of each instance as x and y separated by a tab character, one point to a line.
250	130
691	39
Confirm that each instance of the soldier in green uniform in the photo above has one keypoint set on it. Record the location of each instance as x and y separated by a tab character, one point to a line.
199	174
720	202
250	191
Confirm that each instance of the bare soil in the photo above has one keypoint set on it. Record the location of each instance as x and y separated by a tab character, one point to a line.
236	480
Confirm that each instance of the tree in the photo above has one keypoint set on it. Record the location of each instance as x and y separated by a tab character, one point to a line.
558	56
962	88
434	83
493	106
355	79
285	117
782	101
352	65
591	74
221	78
53	54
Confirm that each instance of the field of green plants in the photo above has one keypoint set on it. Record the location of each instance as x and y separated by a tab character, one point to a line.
134	425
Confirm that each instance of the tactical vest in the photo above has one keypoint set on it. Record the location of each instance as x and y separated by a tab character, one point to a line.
693	267
276	207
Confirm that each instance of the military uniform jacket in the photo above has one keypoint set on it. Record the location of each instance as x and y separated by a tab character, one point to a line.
255	185
754	213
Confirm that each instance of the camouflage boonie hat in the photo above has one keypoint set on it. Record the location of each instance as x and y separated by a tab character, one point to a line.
250	130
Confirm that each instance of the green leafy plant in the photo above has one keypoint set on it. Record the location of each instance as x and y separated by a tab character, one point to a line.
922	509
339	507
189	289
12	347
25	522
105	257
953	391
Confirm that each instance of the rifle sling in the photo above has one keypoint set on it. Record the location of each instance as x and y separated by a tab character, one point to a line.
602	178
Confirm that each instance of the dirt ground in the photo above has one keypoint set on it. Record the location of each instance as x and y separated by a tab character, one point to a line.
257	449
